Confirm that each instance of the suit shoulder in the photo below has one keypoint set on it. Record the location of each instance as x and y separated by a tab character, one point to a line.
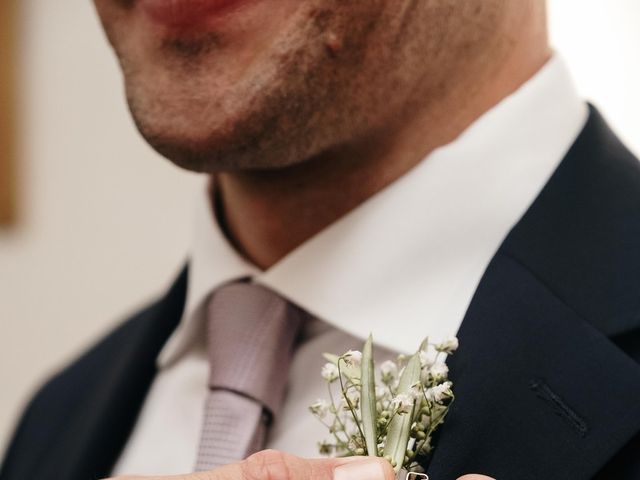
67	399
580	235
50	407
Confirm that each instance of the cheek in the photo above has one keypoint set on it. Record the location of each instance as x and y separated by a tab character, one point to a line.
114	16
110	10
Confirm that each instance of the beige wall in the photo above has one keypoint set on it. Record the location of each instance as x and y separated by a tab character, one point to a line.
106	222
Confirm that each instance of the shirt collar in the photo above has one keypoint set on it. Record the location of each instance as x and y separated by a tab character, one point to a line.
407	262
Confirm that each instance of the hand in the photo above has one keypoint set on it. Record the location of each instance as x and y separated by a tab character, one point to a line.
475	477
274	465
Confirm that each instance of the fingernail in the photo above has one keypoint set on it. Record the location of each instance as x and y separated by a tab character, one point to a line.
362	469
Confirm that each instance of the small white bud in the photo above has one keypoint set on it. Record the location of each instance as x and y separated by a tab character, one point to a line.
440	392
425	359
326	448
353	358
381	392
320	408
388	371
402	403
416	391
439	371
329	372
449	346
354	399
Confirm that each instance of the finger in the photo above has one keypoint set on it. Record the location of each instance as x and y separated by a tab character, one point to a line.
274	465
476	477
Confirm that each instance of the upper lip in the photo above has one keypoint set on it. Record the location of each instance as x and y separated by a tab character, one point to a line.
178	13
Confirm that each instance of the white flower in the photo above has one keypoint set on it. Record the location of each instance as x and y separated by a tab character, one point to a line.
450	345
425	359
353	357
440	392
416	391
320	408
388	371
423	404
381	392
329	372
439	371
402	403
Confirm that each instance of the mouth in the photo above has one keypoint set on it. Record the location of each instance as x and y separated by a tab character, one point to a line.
187	13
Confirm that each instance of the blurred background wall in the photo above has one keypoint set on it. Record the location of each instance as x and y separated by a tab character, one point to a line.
104	222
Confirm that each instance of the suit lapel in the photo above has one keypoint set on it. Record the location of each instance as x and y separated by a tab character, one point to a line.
542	392
120	370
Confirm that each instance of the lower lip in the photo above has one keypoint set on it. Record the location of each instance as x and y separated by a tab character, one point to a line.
186	13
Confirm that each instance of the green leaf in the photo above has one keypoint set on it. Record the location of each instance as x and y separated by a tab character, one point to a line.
331	358
400	427
368	399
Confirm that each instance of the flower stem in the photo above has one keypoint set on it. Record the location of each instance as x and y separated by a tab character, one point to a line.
349	404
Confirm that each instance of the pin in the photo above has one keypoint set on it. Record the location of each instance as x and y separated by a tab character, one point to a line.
404	475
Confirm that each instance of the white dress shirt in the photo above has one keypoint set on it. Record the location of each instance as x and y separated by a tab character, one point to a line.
403	265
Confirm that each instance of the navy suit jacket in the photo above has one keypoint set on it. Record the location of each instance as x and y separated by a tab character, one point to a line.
547	376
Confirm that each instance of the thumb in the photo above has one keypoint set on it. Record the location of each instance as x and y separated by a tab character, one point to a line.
275	465
476	477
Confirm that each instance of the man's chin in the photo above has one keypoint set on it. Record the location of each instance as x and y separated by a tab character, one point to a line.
219	154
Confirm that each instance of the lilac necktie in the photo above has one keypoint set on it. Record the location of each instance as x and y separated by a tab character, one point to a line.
251	333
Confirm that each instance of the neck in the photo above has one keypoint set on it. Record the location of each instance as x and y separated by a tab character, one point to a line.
267	214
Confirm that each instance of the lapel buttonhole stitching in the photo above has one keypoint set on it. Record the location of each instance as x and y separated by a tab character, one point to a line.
544	392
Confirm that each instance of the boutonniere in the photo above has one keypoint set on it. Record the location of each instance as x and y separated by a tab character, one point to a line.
391	411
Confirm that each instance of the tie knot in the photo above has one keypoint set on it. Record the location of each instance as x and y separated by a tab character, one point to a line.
251	333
